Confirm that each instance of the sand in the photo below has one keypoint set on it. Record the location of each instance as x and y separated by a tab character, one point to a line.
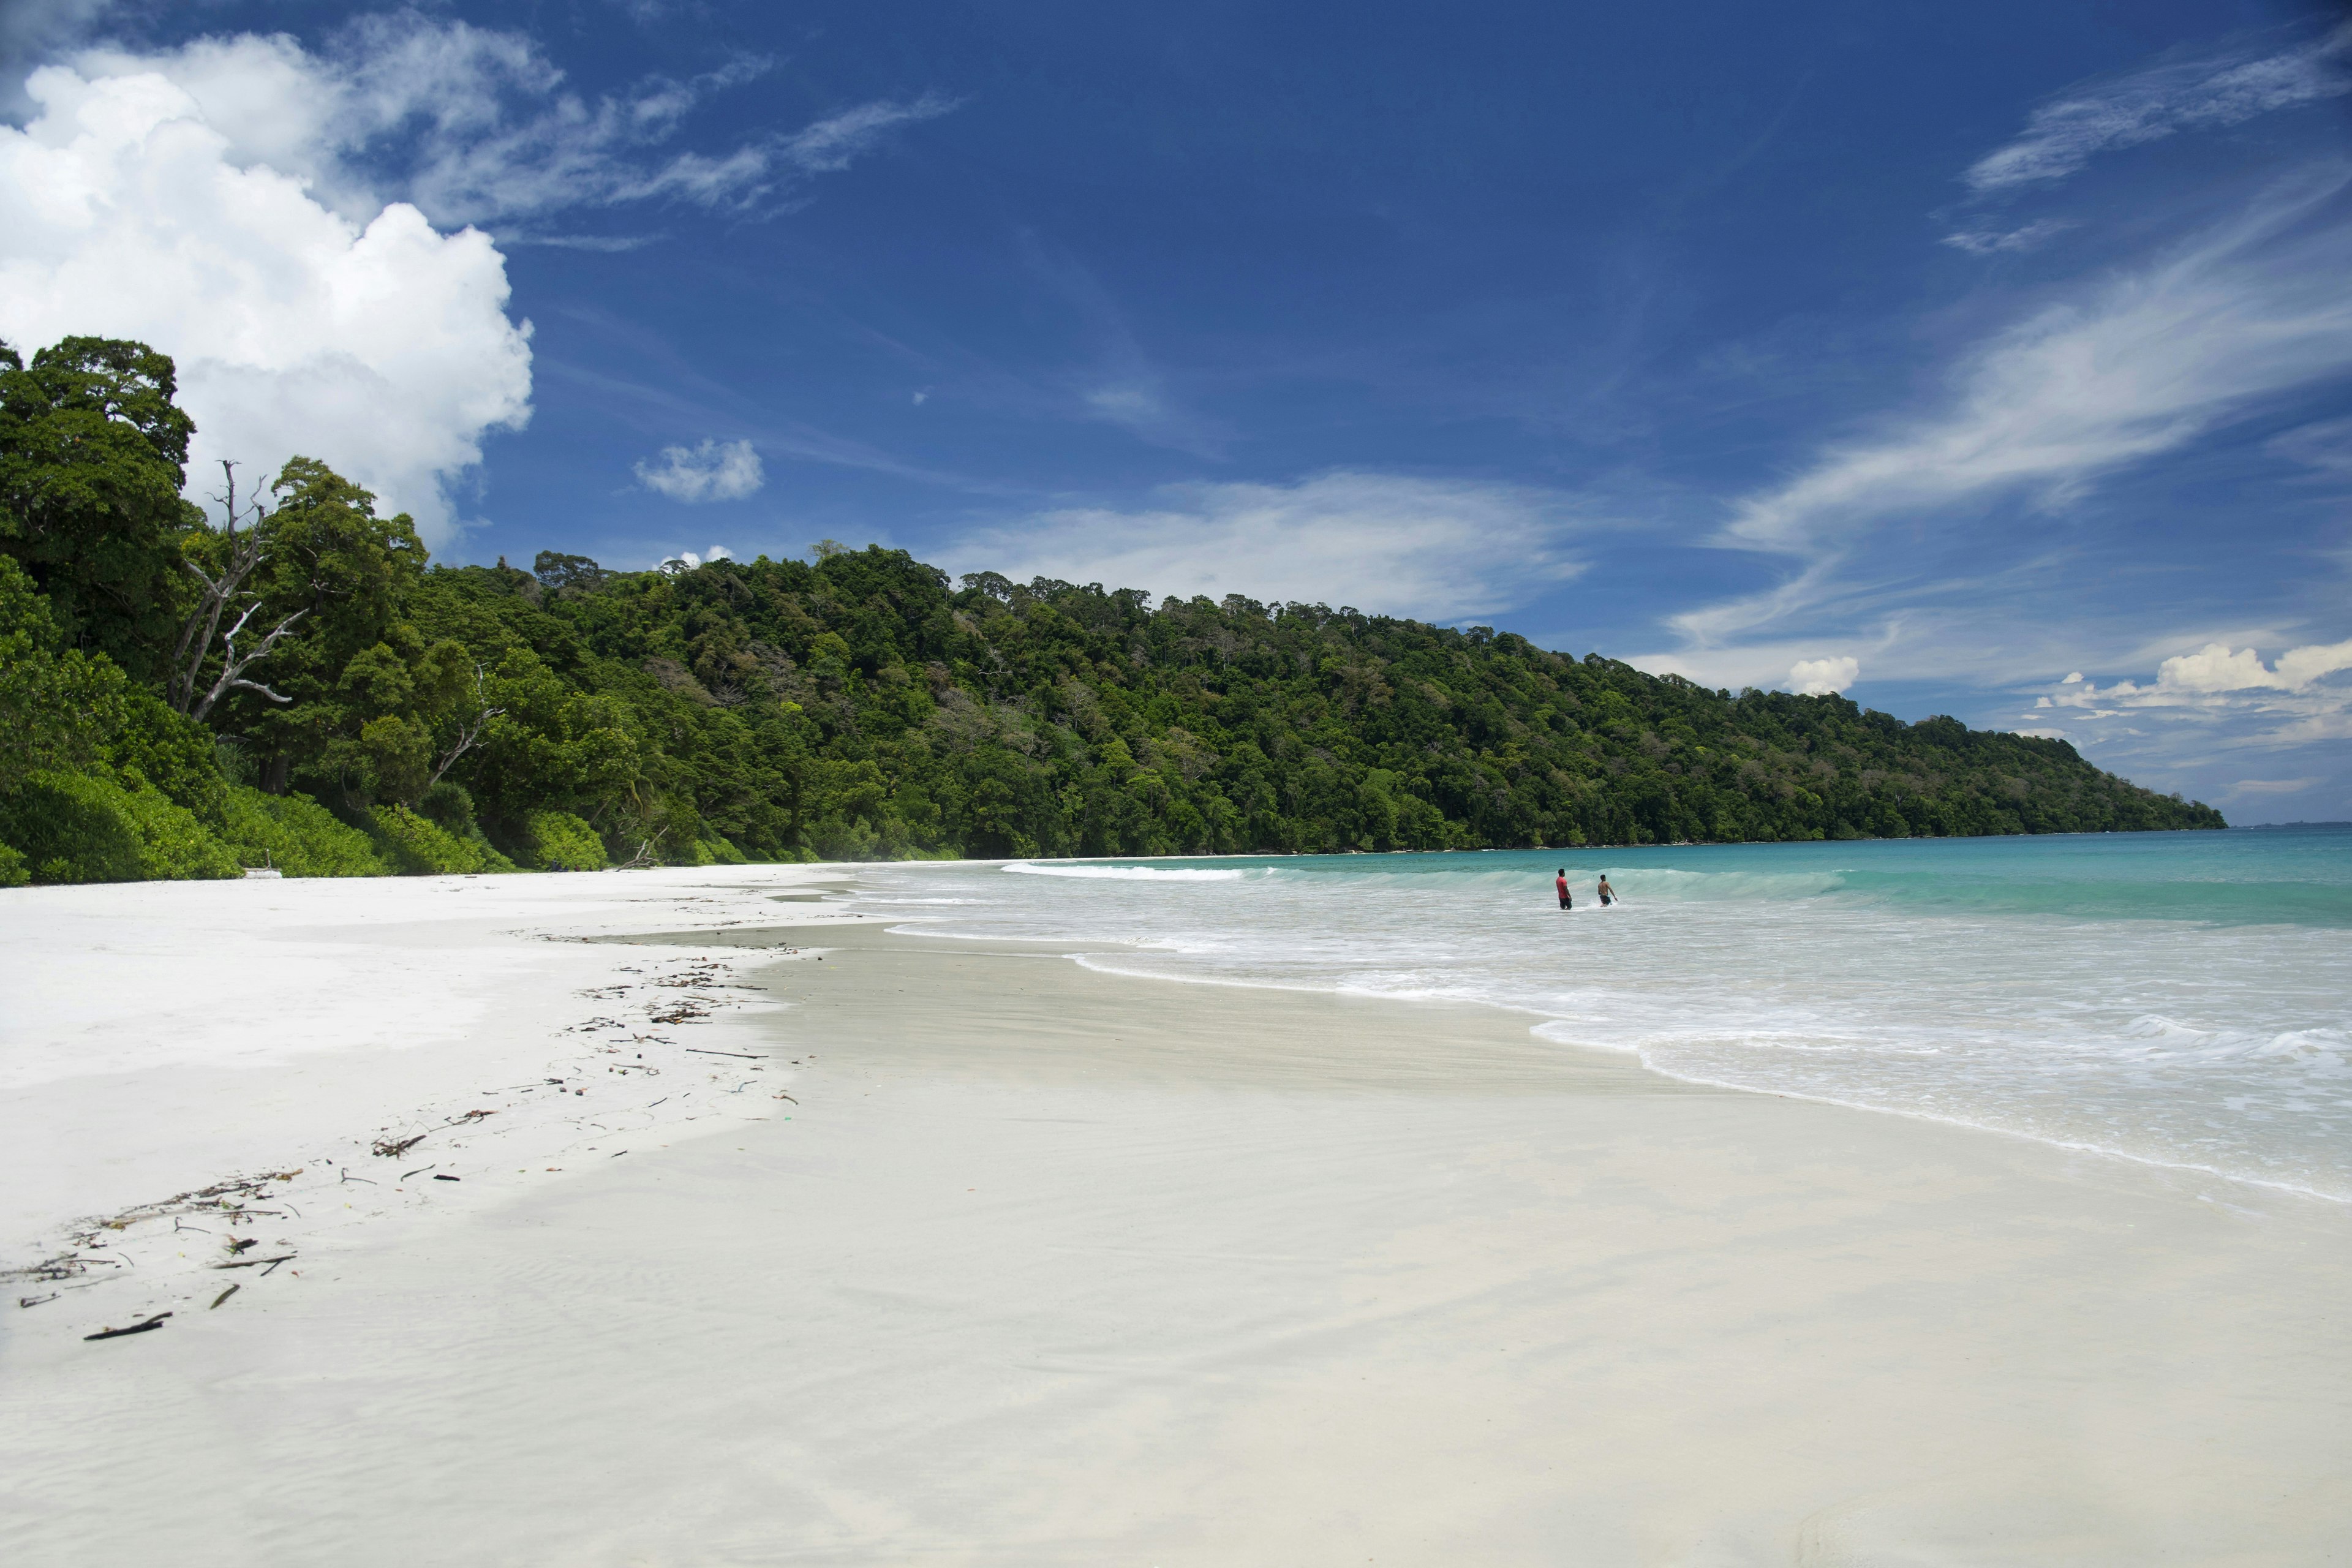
1039	1265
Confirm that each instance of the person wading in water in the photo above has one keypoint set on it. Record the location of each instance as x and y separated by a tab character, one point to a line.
1608	894
1561	883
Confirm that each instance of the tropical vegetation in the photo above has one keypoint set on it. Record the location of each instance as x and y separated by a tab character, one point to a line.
303	689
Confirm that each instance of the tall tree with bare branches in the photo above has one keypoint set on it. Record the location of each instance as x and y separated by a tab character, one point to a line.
198	633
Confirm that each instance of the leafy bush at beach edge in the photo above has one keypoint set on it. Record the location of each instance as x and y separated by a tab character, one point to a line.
70	828
417	846
562	842
295	835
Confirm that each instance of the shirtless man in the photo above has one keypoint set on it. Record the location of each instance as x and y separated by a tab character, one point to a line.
1608	893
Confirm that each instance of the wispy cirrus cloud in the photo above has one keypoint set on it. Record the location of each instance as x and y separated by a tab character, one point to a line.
476	125
2109	376
1989	241
1442	550
2131	366
2212	90
832	143
2272	786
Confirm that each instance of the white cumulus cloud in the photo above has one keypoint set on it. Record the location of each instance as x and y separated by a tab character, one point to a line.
278	219
714	470
1443	550
382	347
1819	677
2217	667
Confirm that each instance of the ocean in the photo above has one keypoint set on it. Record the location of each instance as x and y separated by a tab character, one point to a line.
2183	999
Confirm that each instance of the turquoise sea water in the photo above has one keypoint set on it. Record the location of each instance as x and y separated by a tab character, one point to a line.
2184	998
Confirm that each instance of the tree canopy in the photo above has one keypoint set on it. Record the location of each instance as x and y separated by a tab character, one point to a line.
855	705
93	452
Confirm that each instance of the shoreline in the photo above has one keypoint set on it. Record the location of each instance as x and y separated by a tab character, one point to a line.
909	925
1242	1275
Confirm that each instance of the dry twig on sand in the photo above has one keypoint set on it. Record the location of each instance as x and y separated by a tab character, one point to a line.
154	1323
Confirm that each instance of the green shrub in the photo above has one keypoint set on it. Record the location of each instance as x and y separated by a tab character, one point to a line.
171	753
73	827
297	836
562	842
14	872
417	847
56	705
449	807
174	845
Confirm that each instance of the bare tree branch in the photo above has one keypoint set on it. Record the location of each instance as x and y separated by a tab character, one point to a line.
203	624
468	730
645	854
234	665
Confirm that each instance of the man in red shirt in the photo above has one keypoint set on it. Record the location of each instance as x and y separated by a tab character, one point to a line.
1561	883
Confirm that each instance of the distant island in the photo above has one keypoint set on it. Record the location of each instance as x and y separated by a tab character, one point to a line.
305	690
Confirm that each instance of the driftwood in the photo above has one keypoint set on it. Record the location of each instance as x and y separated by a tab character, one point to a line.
746	1056
446	1178
258	1262
154	1323
225	1296
391	1149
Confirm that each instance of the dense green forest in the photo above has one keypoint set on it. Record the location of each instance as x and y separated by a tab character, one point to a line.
304	689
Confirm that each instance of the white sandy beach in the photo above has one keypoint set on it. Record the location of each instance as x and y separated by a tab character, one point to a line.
1037	1264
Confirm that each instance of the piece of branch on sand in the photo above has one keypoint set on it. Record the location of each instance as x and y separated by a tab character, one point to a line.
154	1323
391	1149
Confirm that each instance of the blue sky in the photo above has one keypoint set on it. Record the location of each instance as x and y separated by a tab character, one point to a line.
1992	360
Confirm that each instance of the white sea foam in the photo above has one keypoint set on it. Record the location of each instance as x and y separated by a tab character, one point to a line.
1961	983
1125	873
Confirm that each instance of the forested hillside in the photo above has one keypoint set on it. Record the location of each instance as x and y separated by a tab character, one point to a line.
307	689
